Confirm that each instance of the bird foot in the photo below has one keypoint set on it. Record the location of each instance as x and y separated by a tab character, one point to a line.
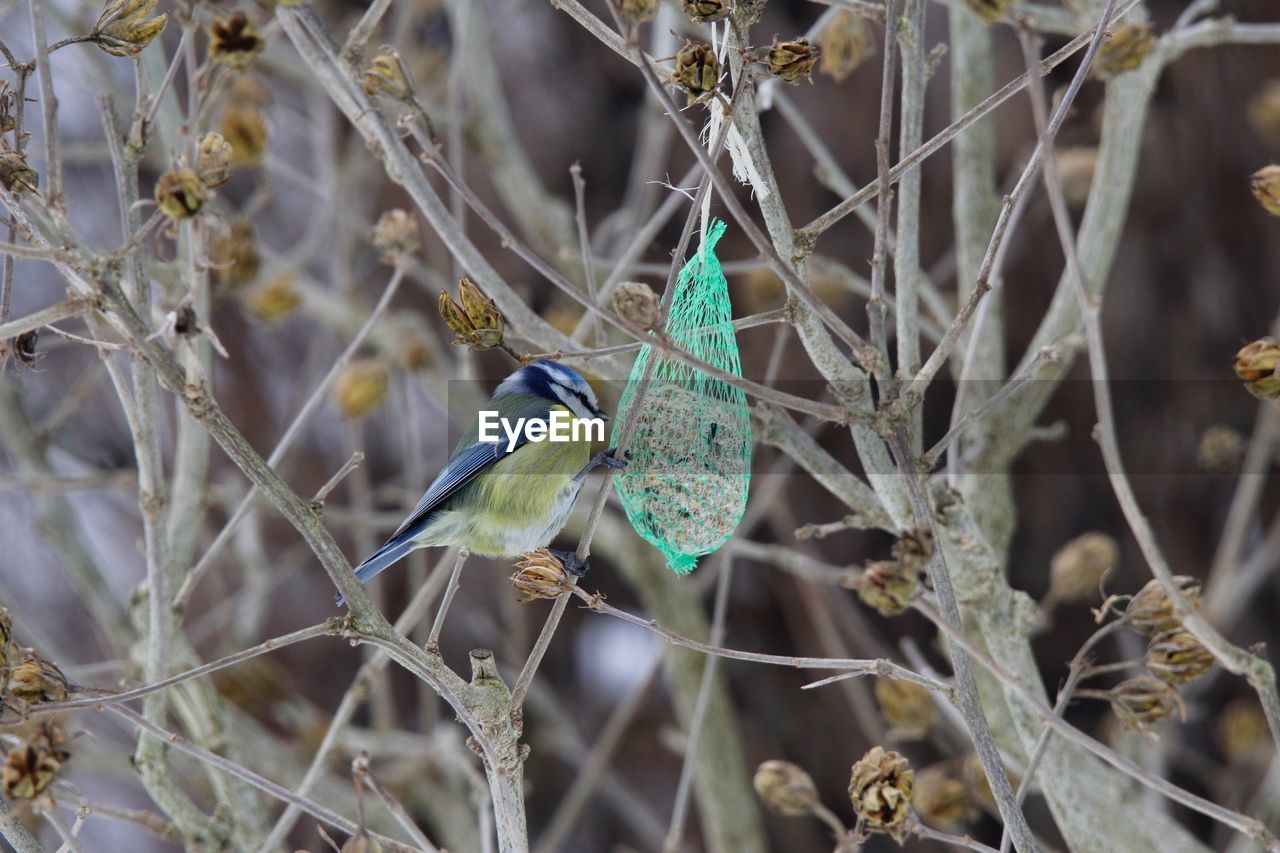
571	562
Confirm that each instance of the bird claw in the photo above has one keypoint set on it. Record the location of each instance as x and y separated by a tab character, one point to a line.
611	459
571	562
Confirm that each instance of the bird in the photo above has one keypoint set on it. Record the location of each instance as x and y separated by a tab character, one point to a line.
510	496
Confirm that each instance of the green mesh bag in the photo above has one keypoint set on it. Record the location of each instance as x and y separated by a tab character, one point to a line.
686	487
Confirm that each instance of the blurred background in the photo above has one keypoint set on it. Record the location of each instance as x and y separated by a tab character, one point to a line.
1197	275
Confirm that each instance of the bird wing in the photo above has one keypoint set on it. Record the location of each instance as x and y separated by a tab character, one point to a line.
464	467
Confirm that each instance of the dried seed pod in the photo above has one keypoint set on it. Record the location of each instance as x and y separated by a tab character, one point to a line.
914	550
1243	733
123	29
785	788
1264	112
234	257
1144	701
941	797
887	585
638	11
706	11
990	10
792	60
1265	184
906	706
396	235
1221	450
361	387
846	42
1258	364
213	160
1150	610
386	74
697	70
880	787
15	175
180	194
31	766
7	107
246	130
540	575
275	300
1177	657
635	302
476	323
1080	565
1123	50
234	41
34	680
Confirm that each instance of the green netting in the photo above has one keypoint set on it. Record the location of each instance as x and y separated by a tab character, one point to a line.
686	487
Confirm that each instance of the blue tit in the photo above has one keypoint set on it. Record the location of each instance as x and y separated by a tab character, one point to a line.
508	497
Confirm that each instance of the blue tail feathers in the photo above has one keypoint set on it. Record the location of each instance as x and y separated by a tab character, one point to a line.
381	559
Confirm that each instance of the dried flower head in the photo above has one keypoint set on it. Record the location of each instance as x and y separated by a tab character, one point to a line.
180	194
635	302
7	108
880	787
887	585
846	41
361	386
1265	184
386	74
706	11
906	706
1258	365
1177	657
234	40
34	680
123	29
785	788
234	257
697	70
476	322
914	550
213	160
1124	50
246	129
1221	450
539	574
638	11
15	175
361	842
1080	565
1264	112
1243	733
396	235
990	10
792	60
941	797
1150	610
275	300
31	766
1144	701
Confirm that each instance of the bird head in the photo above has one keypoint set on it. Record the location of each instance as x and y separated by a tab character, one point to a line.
555	383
